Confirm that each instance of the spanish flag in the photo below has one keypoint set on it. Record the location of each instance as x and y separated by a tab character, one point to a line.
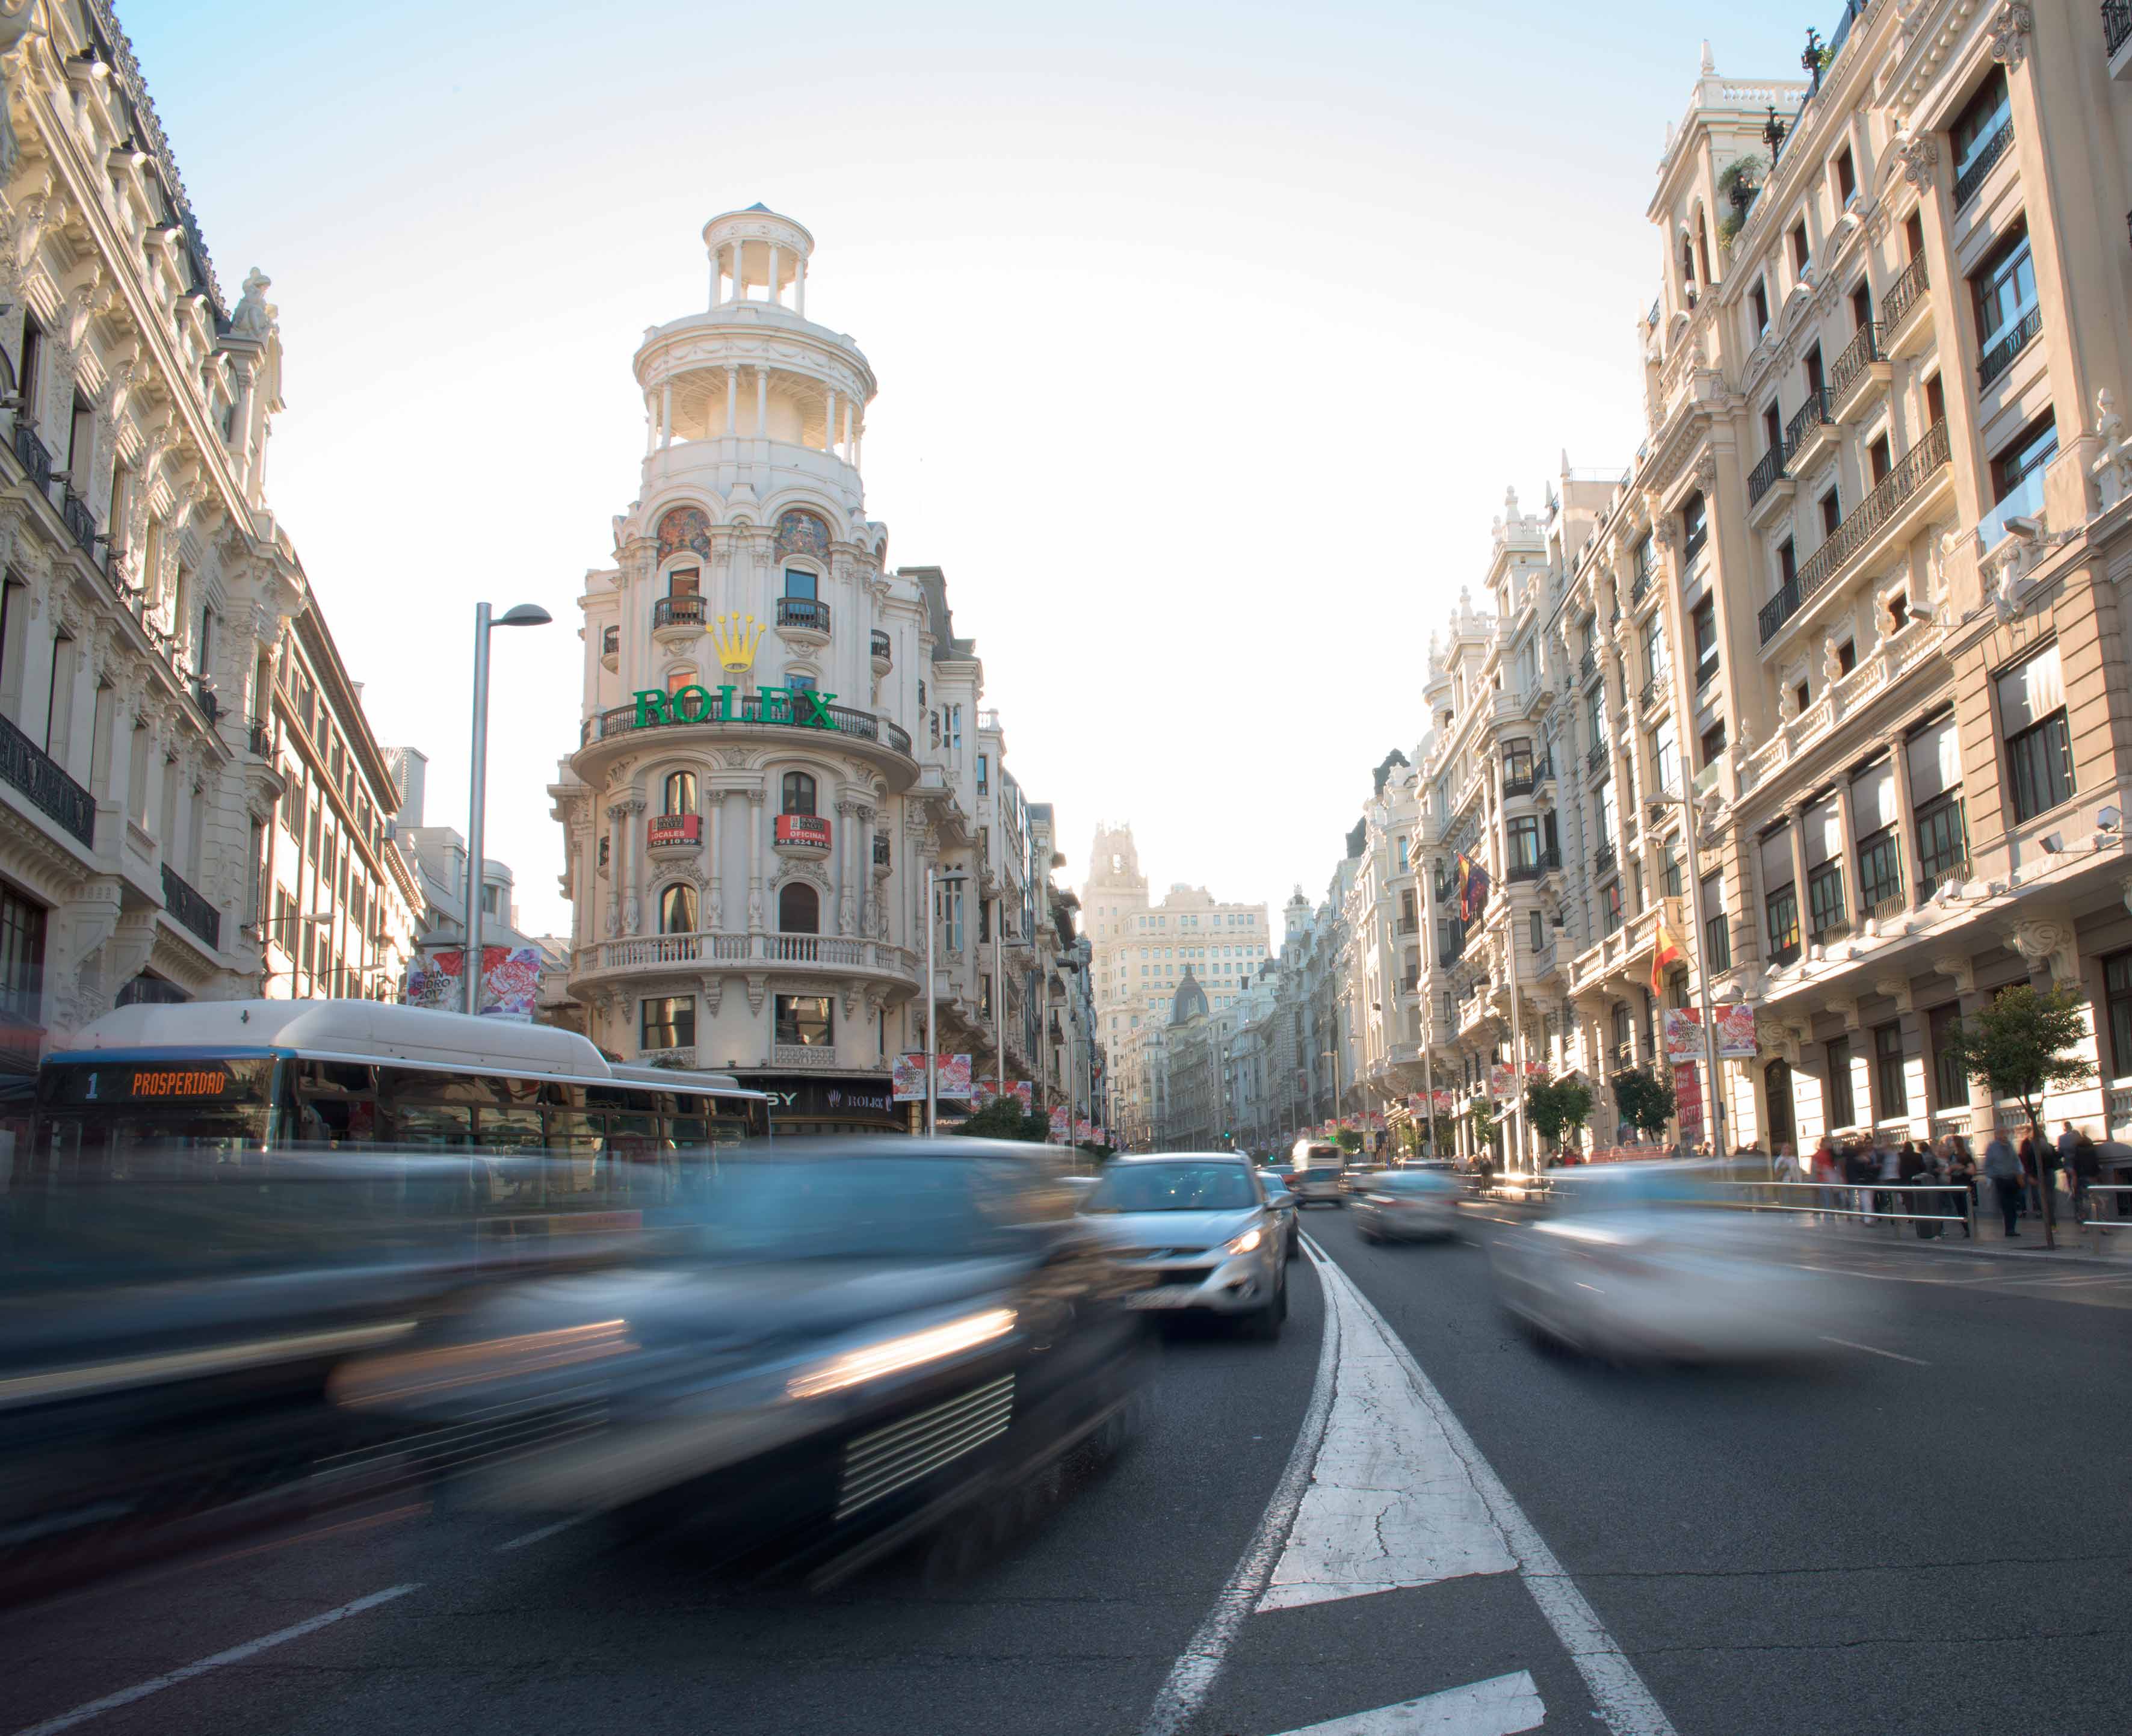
1666	948
1473	882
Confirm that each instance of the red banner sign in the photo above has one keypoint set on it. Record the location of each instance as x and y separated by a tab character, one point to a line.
802	828
675	828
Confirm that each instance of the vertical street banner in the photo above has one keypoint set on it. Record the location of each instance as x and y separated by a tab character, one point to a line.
907	1079
510	980
955	1080
1687	1101
1058	1121
1736	1033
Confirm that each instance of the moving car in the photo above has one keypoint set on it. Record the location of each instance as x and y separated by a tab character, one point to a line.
855	1342
1643	1261
1198	1232
1408	1204
1282	1204
1314	1167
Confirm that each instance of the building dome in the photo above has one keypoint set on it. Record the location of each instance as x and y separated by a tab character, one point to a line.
1190	1000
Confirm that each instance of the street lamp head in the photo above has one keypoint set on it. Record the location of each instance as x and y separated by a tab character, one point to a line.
523	615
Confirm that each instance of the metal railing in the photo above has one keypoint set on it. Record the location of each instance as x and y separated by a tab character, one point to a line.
1547	861
754	710
1968	183
1892	493
881	649
2116	25
1763	477
677	611
1904	293
1807	417
1603	859
1822	1198
1587	668
1851	366
80	520
880	850
806	612
42	778
259	738
1595	756
1522	782
1996	360
189	910
30	451
610	640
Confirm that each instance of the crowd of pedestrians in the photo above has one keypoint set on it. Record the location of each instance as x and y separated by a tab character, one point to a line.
1856	1175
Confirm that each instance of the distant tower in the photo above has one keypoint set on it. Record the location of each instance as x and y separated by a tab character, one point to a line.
1113	862
1298	914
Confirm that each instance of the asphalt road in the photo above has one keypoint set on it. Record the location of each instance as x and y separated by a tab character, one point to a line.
1930	1533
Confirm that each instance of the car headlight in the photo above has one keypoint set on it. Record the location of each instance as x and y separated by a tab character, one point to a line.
1243	1243
893	1355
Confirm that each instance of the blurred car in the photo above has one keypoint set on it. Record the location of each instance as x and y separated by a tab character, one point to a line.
1642	1261
856	1341
1283	1205
1199	1233
1314	1168
1356	1177
1415	1204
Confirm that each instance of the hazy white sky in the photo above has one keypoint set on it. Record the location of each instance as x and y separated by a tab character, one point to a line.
1209	337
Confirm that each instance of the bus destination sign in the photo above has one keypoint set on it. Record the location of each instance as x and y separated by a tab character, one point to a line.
203	1081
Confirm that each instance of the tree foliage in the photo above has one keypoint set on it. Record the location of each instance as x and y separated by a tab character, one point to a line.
1481	1119
2021	1045
1002	1119
1644	1100
1348	1140
1557	1110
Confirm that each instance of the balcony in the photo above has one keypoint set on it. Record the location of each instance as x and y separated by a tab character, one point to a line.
210	707
1603	859
2117	36
883	652
883	859
1860	367
1587	668
677	616
40	778
80	522
1547	862
1654	694
770	708
1874	513
1522	782
1970	181
1766	474
806	616
1804	433
1905	298
1595	756
30	452
191	911
803	837
610	647
259	738
1641	587
1997	359
665	952
1408	925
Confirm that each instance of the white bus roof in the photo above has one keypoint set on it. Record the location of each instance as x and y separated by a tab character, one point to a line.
365	1028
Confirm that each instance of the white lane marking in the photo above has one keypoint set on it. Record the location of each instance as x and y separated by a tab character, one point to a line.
1623	1702
1192	1677
543	1534
234	1655
1502	1706
1875	1350
1390	1504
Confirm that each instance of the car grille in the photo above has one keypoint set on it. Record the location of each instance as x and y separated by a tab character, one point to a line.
1160	1254
877	1464
1179	1275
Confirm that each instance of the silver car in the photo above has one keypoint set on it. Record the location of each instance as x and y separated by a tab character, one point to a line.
1198	1232
1282	1204
1408	1204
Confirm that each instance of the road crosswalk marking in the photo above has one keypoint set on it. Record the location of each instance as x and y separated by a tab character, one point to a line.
1500	1707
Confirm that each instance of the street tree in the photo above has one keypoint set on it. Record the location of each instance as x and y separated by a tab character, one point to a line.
1004	1118
1557	1110
1644	1100
2022	1046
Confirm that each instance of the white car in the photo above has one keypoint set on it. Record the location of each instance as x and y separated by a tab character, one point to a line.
1642	1261
1415	1204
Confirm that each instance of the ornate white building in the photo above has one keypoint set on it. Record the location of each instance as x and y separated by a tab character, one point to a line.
782	734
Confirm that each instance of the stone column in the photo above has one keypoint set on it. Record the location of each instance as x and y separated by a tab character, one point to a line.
650	427
1798	816
829	424
1854	885
714	903
799	286
666	415
761	402
769	282
733	398
755	891
1906	828
847	903
739	285
848	450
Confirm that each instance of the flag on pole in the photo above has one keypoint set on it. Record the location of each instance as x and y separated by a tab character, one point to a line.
1666	946
1473	883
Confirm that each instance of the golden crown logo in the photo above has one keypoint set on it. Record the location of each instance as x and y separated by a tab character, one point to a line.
734	638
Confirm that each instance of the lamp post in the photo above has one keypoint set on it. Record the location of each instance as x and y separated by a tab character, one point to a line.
523	615
1714	1097
934	880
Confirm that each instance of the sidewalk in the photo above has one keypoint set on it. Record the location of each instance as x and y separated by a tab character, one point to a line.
2087	1247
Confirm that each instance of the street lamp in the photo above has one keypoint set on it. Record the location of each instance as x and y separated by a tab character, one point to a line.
523	615
933	880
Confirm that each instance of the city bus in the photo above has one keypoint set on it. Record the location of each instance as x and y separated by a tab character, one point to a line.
218	1089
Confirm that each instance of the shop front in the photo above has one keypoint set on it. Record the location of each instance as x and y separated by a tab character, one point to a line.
827	1103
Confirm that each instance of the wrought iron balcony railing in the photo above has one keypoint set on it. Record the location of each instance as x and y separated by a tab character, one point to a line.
1807	417
1906	291
881	649
1915	469
678	611
1996	360
80	522
1763	477
30	451
41	778
1850	366
802	612
1603	859
1971	178
2116	25
189	910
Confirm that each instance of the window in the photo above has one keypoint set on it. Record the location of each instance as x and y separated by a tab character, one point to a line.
1950	1089
1831	512
1610	818
1847	177
1694	525
680	792
33	357
1655	664
1781	909
1524	845
1610	907
1758	298
1935	402
1799	251
677	910
1892	1098
1880	870
1847	655
1713	743
1642	560
1879	461
799	793
2032	713
805	1020
21	956
1824	896
1843	1110
2117	989
798	908
2017	471
1717	931
668	1022
1595	713
1787	565
1861	307
1665	759
1977	130
1536	931
1517	766
2005	292
984	773
799	584
676	680
1704	624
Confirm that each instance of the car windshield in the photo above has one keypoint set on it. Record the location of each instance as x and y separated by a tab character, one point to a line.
1174	1187
865	1207
1415	1181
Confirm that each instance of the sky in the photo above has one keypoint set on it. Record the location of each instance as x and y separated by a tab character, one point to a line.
1209	337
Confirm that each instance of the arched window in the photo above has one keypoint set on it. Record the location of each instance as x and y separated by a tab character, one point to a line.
677	910
799	793
680	792
676	680
798	908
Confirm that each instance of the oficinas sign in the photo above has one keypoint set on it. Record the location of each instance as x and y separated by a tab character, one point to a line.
801	707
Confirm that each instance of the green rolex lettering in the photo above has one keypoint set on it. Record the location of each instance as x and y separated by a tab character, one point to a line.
817	709
651	708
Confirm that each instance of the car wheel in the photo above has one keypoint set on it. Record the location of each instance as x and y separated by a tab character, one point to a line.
1294	1238
1265	1324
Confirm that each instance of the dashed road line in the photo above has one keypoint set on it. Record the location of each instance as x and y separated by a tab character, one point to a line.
234	1655
1502	1706
1875	1350
543	1534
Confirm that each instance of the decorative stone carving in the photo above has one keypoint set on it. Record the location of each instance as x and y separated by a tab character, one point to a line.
758	985
1919	153
1898	989
1832	661
2010	27
254	316
2046	940
1846	1006
2113	470
1962	971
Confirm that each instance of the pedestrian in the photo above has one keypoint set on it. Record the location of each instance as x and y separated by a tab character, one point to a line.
2087	1169
2069	1162
2038	1162
1889	1169
1858	1168
1788	1168
1961	1173
2004	1169
1932	1208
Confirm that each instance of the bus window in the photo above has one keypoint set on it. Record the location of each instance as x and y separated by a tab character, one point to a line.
574	1144
644	1171
512	1130
436	1124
